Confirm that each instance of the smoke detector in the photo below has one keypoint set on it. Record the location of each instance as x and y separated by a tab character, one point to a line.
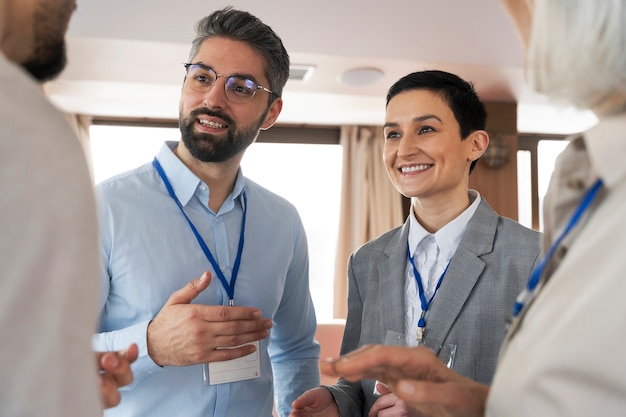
359	77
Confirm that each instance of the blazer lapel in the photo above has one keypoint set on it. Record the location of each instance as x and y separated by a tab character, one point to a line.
463	273
391	285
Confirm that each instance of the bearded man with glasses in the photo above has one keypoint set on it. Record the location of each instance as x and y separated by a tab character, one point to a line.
224	343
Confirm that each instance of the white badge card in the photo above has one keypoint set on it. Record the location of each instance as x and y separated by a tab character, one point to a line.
239	369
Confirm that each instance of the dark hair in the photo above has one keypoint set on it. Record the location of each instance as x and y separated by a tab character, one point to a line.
242	26
459	94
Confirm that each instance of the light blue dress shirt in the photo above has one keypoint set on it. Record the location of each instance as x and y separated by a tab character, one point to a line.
149	251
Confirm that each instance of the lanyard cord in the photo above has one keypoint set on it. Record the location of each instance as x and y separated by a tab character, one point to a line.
536	274
420	288
230	288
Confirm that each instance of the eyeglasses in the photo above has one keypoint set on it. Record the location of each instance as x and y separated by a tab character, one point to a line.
201	78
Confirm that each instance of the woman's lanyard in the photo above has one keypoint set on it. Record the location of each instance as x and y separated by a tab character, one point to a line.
523	298
230	288
421	324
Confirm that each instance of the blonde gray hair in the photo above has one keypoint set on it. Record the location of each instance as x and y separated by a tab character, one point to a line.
577	52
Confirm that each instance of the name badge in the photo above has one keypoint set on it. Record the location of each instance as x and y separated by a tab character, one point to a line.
247	367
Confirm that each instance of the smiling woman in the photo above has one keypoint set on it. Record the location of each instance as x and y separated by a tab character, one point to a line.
296	176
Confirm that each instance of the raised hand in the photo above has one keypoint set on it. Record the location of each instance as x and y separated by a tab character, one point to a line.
416	376
115	372
185	334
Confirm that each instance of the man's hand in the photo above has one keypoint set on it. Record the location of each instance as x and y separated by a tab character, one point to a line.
416	376
316	402
185	334
115	372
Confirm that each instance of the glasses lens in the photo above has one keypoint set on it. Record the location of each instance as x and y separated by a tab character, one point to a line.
200	79
240	90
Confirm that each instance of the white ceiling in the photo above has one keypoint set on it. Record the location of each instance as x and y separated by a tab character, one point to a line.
125	56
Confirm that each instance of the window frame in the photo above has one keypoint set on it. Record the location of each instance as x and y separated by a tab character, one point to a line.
529	142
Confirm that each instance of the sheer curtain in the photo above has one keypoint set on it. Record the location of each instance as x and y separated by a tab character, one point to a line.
370	205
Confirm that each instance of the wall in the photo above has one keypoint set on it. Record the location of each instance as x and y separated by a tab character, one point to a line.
499	184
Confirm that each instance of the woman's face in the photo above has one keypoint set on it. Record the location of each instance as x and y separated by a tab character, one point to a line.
424	153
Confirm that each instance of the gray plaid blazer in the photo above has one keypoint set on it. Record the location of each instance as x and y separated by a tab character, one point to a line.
490	267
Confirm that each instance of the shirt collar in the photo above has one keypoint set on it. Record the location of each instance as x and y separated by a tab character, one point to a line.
449	236
184	182
606	144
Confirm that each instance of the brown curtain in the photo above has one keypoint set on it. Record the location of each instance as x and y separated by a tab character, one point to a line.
370	205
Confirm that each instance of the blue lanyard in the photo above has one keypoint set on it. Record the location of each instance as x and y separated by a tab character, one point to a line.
230	288
536	274
425	304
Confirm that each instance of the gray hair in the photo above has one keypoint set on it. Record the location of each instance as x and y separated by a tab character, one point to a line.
577	52
242	26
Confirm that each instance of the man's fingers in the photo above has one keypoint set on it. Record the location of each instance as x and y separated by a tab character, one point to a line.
462	396
115	367
357	363
109	361
381	362
185	334
235	319
219	355
190	291
131	353
109	392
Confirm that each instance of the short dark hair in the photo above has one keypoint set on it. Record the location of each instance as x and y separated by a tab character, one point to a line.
459	94
243	26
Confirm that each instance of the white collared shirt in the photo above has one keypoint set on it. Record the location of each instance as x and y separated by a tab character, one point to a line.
565	357
432	253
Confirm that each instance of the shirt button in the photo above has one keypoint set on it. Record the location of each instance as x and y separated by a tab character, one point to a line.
203	187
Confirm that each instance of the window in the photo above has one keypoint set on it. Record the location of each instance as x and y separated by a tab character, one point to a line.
116	149
535	162
547	152
524	189
308	175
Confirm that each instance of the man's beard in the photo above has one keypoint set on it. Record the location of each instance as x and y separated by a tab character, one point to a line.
47	62
210	148
49	53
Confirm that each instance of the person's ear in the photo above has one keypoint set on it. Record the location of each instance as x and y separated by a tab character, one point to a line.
480	142
272	114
